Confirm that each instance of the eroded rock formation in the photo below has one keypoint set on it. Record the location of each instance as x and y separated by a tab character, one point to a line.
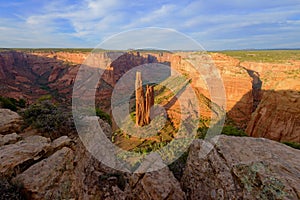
144	101
236	167
32	75
10	121
241	168
277	117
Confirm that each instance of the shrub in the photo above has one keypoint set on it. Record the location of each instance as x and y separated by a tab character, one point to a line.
52	120
11	103
227	130
294	145
6	103
103	115
233	131
201	132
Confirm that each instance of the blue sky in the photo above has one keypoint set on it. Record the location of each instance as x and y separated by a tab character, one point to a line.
215	24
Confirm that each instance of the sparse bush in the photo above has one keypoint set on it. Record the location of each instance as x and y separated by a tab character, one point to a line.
294	145
46	97
227	130
53	121
201	132
11	103
6	103
103	115
233	131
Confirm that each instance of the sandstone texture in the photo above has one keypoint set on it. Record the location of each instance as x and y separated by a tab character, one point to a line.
277	76
30	75
9	121
277	117
144	101
277	114
16	156
241	168
154	185
235	168
9	139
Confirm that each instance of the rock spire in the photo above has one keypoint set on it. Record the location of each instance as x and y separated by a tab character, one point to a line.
144	101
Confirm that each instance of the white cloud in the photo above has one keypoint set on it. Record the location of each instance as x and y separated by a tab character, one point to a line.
87	22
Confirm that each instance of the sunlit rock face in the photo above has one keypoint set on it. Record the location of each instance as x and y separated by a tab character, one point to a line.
144	101
241	168
30	75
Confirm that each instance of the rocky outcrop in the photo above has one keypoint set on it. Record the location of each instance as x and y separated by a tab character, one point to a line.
9	139
17	157
154	185
236	167
277	117
144	102
9	121
50	177
241	168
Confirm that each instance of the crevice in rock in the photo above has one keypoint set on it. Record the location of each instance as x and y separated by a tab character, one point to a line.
19	169
256	86
139	179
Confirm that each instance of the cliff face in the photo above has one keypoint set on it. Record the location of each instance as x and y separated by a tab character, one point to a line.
236	79
277	117
31	75
238	87
277	76
277	114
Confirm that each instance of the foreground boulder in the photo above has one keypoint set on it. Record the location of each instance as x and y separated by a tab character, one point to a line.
10	121
50	177
9	139
155	185
242	168
16	157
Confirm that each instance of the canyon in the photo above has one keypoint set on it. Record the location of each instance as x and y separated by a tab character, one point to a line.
254	91
261	98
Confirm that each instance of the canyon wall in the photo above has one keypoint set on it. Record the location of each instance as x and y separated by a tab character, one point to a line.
32	75
277	114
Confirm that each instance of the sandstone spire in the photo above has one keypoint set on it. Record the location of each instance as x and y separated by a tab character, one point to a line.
143	103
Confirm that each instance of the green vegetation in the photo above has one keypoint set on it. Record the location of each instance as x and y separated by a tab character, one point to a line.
271	56
103	115
294	145
233	131
11	103
52	120
230	130
46	97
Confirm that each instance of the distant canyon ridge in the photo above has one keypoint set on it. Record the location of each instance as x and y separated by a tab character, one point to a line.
263	98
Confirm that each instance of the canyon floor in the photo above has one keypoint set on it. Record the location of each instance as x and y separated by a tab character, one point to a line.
256	155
